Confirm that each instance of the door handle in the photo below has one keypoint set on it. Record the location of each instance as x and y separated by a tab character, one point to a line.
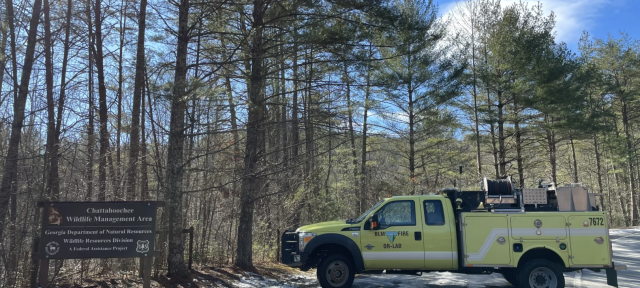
417	235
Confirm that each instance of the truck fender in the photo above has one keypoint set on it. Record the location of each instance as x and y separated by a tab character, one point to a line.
542	251
341	240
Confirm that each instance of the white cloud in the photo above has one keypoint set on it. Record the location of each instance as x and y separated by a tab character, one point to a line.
572	16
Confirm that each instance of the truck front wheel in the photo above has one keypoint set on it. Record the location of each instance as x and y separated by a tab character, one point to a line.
336	271
540	273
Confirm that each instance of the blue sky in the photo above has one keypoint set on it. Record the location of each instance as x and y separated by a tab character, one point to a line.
598	17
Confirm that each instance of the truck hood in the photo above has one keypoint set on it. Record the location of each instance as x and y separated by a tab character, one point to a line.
331	226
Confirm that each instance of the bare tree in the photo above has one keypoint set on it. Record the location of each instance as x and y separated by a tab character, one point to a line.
137	96
90	124
102	103
175	158
10	170
254	147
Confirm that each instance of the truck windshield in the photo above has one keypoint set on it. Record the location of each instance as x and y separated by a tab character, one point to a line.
359	219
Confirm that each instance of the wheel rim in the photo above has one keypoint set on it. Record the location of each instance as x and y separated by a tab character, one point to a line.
543	277
337	273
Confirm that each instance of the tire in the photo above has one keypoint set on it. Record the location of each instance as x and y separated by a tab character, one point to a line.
336	271
540	273
511	276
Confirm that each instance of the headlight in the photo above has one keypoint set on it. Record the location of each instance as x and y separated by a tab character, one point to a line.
303	239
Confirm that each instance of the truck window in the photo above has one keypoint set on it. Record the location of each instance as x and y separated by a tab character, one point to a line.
398	213
365	214
433	213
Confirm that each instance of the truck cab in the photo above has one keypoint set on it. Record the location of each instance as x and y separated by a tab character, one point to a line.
455	232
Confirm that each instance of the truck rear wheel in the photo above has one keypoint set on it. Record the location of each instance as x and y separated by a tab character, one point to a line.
336	271
540	273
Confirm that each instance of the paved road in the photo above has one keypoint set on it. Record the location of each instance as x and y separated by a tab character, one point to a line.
626	246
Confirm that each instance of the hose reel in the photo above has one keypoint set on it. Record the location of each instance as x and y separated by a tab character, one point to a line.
498	187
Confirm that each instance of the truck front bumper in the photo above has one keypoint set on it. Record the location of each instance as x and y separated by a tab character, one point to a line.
290	255
612	274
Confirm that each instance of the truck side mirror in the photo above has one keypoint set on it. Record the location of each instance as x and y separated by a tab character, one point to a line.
375	224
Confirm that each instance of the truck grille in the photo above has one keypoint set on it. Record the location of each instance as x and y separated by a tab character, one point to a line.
289	246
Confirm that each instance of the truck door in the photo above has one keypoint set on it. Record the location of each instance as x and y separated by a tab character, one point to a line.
486	239
589	242
394	245
439	252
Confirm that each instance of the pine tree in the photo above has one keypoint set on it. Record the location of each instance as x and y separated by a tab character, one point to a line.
418	75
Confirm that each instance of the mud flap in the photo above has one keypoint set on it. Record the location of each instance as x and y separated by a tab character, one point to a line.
612	276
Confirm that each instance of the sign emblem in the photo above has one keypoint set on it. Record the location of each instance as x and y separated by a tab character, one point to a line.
391	236
143	246
55	218
501	241
354	234
537	223
369	246
52	248
585	223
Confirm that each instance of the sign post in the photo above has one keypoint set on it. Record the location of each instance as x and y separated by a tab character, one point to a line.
79	230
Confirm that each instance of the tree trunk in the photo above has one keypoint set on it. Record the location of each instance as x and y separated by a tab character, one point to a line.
54	177
175	159
134	151
363	163
492	130
352	137
623	203
575	161
475	97
295	126
599	172
621	192
309	127
412	143
551	142
102	103
234	121
518	132
631	159
285	184
51	117
14	58
283	115
12	257
502	150
9	183
51	124
251	180
3	49
123	26
144	181
90	129
295	122
164	226
237	153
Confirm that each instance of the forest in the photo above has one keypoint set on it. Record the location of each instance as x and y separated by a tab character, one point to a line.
248	118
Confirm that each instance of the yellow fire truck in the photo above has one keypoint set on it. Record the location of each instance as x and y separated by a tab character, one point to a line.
530	236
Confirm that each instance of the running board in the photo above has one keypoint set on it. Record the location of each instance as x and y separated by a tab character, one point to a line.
404	272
